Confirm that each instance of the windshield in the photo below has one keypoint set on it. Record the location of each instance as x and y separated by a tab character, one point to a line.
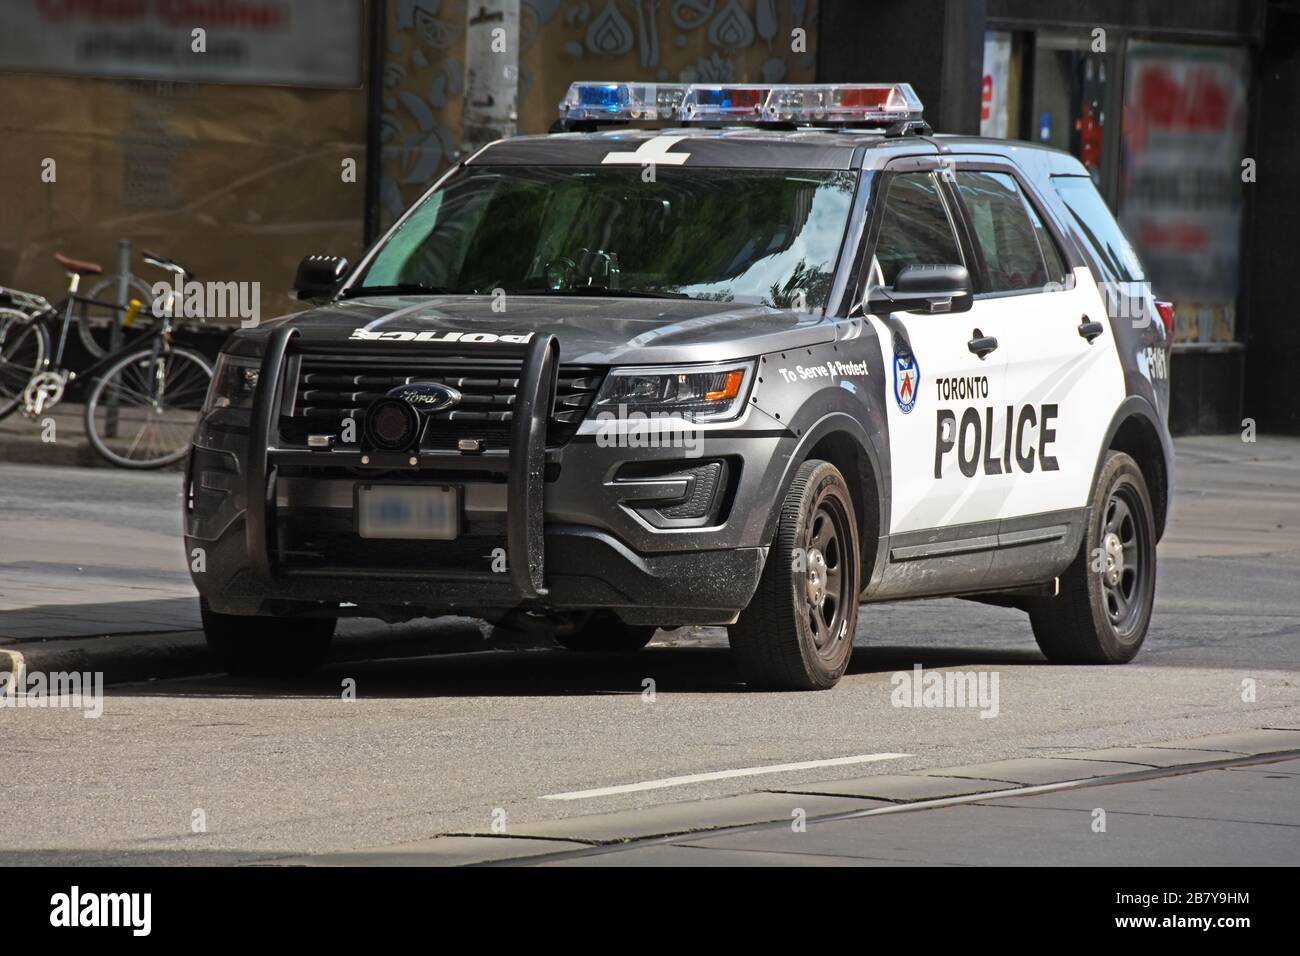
731	235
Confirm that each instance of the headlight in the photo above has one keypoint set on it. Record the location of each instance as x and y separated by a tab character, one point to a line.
234	380
700	393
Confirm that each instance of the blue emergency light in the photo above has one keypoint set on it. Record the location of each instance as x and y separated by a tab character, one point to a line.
617	102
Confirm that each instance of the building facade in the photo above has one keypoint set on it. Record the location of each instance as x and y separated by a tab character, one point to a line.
321	120
1184	113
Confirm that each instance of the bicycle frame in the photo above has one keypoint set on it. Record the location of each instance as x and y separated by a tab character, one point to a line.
160	336
41	311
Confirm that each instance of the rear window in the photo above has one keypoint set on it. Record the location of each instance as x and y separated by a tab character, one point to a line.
1118	260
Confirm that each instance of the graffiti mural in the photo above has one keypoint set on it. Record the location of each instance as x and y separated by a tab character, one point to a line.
561	41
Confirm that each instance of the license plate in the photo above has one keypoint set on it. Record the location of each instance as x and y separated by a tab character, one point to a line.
408	511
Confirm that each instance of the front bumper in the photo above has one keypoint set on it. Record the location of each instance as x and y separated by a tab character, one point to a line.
588	569
574	527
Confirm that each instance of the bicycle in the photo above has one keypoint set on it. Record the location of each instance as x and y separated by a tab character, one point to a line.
148	387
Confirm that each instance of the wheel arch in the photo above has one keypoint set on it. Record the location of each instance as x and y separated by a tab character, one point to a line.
1137	430
841	440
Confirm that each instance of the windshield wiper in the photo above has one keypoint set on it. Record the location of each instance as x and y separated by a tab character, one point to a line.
403	288
597	290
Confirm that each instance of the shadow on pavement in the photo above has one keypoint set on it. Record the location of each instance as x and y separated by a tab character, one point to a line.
542	672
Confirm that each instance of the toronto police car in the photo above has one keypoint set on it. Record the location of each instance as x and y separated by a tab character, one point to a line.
749	356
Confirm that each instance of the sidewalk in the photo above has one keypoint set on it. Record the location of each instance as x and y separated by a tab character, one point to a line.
21	439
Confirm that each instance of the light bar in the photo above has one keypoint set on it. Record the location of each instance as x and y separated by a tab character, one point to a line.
717	101
842	103
804	104
614	102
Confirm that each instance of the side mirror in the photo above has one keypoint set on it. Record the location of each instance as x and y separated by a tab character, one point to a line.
318	277
937	289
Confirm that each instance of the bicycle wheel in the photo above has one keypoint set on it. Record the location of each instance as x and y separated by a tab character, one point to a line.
95	322
142	411
24	346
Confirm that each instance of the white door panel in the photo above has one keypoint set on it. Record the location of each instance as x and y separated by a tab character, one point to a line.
930	490
1017	433
1050	366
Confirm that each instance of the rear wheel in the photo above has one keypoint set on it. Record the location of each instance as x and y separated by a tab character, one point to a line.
142	411
1104	607
24	347
96	317
256	646
797	633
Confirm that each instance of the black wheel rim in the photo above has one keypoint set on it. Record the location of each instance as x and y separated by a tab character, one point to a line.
828	576
1124	564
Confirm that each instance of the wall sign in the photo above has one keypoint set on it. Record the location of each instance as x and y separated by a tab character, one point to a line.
273	42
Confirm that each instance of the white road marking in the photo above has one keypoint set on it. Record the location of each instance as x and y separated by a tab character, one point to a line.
721	775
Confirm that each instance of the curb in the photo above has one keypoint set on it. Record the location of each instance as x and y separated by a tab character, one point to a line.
157	655
30	450
121	658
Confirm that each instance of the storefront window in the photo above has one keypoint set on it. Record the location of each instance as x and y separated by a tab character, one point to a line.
1000	86
1069	97
1180	193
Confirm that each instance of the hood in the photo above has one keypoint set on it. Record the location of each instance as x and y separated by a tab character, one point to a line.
591	331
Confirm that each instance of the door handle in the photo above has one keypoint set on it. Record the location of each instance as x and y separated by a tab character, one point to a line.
982	344
1090	330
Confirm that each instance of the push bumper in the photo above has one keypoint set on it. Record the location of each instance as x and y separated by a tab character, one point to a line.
549	564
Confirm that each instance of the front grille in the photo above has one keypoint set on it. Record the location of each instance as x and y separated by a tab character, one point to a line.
330	389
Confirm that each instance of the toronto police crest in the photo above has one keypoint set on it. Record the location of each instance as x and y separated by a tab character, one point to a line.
907	379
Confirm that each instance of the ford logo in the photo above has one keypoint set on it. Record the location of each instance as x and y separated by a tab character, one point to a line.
426	396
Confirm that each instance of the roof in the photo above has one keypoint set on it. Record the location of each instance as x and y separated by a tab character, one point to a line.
740	147
757	148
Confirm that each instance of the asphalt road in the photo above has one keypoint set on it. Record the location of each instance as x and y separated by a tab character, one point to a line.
455	742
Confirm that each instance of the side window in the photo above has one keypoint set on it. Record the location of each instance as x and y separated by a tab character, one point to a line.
1056	271
1008	232
1117	257
914	227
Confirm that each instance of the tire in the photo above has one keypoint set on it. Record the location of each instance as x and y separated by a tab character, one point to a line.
603	632
24	347
1103	609
95	322
787	639
166	434
255	646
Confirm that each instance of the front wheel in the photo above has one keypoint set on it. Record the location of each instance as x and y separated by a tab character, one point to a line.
24	347
255	646
1103	609
142	411
797	633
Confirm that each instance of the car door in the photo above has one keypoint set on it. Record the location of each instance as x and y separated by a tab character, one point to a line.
1062	376
943	509
1062	379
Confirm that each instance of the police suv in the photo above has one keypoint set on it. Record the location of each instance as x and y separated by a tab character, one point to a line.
748	356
